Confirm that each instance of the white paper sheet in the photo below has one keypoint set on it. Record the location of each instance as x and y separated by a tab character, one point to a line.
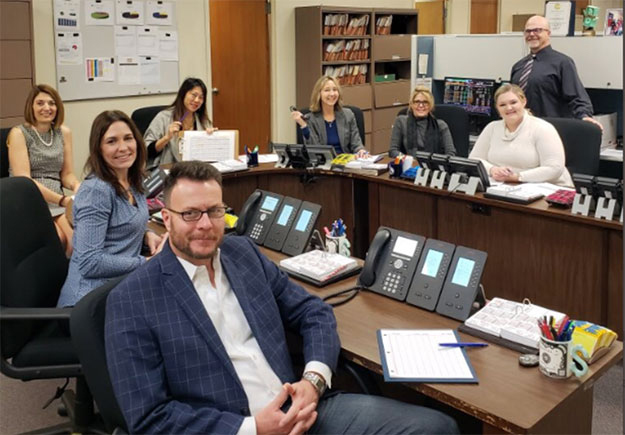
150	70
130	12
100	13
416	354
99	69
128	71
159	13
126	40
147	41
68	48
215	147
168	45
66	15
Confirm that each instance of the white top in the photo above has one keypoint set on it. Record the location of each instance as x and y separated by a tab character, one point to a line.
259	381
534	150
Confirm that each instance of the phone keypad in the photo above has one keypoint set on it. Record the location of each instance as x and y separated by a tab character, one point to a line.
257	229
393	282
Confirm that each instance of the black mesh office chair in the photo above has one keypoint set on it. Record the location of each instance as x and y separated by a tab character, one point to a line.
33	268
458	121
87	328
582	144
4	153
360	123
143	117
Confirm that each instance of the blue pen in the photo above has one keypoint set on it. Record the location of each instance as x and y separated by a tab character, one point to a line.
463	344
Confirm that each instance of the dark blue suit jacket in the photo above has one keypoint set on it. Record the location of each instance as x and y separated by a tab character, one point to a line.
169	368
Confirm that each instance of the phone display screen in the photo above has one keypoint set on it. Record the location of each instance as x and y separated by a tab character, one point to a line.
404	246
285	215
463	272
269	203
432	263
303	220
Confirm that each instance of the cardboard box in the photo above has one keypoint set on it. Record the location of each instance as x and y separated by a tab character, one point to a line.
608	138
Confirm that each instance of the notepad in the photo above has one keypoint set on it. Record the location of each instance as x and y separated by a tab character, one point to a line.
414	355
219	146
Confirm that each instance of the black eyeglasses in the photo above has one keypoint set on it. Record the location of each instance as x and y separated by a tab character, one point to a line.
195	215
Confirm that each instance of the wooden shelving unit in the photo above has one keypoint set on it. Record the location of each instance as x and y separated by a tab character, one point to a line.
386	54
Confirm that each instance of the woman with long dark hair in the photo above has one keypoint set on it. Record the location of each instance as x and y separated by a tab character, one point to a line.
187	112
110	210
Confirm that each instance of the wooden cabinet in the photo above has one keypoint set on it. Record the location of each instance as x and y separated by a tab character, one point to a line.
16	59
360	46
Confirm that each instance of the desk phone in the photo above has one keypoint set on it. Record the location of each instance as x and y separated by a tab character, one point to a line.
462	283
299	235
258	214
391	262
429	277
282	223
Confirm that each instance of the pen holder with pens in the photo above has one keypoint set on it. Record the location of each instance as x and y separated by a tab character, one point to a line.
252	157
395	169
338	245
560	359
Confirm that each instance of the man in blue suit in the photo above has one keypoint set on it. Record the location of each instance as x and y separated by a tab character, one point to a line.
196	342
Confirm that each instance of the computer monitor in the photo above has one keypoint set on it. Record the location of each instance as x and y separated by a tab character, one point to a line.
440	162
474	95
609	188
469	168
424	158
585	184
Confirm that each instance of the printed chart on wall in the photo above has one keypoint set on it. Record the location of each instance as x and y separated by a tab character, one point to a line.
115	48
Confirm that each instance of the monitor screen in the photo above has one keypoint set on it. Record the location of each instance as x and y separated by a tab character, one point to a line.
474	95
270	203
432	263
404	246
463	272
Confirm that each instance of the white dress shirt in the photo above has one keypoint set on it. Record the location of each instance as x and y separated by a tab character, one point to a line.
259	381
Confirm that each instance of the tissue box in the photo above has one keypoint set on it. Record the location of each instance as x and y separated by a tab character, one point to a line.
608	121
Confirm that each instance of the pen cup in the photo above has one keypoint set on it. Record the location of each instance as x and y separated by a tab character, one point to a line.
252	159
558	359
338	244
395	170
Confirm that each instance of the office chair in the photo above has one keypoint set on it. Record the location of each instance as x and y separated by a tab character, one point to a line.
87	328
458	121
4	153
360	123
582	144
143	117
33	268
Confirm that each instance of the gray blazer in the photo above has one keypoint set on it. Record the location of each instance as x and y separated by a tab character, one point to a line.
399	138
157	129
349	137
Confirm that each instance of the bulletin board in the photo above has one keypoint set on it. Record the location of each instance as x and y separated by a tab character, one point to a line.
115	48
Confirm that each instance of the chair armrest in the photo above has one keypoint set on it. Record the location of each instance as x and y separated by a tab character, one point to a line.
37	313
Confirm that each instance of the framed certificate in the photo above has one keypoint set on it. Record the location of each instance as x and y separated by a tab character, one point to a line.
561	16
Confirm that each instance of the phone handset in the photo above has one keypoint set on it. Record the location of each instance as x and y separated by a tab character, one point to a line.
247	211
367	276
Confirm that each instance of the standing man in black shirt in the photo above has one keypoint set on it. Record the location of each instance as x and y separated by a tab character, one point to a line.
549	78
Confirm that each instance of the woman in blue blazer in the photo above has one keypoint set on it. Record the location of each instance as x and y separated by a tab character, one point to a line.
110	210
329	123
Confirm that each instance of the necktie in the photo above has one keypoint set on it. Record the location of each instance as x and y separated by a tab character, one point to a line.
525	73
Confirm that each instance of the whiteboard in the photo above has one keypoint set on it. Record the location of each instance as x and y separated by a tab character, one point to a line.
98	42
479	56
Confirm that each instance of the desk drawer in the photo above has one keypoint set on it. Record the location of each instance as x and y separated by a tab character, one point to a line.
389	94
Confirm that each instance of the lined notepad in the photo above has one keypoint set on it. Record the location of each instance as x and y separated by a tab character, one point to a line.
414	355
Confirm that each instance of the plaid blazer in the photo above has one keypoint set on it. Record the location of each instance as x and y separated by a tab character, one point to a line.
170	370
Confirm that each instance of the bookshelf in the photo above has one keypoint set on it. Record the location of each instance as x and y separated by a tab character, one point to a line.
348	43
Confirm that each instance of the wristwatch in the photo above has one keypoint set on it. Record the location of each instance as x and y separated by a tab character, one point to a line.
317	381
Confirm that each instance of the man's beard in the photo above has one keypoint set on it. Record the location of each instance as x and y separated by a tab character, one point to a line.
183	245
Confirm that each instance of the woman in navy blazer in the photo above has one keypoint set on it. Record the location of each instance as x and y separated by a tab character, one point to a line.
329	123
110	210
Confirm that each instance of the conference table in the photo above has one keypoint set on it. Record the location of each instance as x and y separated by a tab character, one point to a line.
508	397
565	262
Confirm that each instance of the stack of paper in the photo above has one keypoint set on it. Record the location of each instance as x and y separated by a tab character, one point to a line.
318	265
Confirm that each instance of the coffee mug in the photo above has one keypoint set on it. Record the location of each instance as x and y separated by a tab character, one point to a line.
338	244
558	359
